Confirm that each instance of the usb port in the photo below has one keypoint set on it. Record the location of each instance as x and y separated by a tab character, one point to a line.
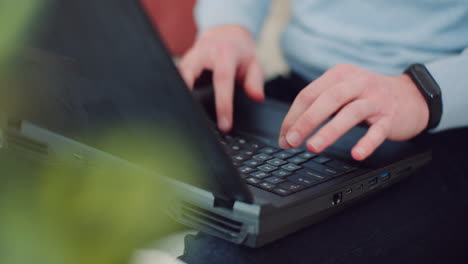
384	176
372	181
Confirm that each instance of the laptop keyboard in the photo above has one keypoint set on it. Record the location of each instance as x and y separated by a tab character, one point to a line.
279	171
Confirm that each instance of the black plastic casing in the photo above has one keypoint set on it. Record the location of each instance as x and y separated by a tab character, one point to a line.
430	90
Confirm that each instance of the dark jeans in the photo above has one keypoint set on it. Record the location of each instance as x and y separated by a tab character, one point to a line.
423	219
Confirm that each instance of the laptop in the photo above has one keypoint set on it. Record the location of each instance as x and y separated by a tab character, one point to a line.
94	68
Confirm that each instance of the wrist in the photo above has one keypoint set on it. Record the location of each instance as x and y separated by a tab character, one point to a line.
234	31
416	103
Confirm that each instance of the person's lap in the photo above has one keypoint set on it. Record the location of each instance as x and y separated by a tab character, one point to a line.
420	219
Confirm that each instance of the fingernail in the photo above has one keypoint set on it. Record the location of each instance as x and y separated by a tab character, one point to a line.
283	143
293	138
361	152
223	124
316	143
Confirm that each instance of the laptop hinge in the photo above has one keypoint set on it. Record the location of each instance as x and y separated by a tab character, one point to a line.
228	204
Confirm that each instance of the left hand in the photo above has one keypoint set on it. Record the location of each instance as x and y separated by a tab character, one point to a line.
392	105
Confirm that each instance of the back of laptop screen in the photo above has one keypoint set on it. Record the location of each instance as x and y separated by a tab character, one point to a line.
94	71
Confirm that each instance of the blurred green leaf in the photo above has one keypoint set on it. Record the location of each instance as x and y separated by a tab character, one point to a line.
15	17
64	212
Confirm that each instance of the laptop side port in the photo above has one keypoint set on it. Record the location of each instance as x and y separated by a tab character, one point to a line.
384	176
337	198
372	181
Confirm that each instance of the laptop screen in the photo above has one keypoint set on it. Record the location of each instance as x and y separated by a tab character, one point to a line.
96	72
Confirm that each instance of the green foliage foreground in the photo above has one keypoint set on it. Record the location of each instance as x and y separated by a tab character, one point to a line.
59	212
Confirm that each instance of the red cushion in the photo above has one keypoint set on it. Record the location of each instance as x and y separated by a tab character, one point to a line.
174	20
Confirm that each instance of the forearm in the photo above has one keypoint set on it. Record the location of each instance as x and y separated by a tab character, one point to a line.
451	74
247	13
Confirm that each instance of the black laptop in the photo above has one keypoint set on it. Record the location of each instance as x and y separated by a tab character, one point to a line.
89	68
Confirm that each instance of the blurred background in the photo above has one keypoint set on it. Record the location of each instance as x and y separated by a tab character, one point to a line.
174	19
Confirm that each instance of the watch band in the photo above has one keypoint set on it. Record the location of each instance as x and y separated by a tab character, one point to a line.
430	90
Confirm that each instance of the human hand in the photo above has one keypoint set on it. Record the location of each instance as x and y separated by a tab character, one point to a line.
392	106
228	51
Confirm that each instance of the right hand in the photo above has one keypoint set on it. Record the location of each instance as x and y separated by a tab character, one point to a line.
229	52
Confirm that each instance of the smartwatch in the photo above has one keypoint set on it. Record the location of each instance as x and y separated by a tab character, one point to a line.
429	89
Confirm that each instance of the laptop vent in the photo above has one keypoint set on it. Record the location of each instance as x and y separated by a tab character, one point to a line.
15	141
210	222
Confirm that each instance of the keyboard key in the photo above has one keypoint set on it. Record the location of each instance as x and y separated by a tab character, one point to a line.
340	166
240	157
276	162
281	173
274	180
253	181
320	168
302	180
252	163
283	155
228	138
321	159
290	186
247	152
236	163
235	147
307	155
254	146
291	167
246	169
259	174
262	157
269	150
267	168
241	141
281	191
266	185
312	174
295	151
297	160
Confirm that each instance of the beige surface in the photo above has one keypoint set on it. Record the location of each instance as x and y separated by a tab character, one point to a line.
268	50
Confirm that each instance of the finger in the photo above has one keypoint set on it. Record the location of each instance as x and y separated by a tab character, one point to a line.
191	66
324	106
304	99
374	137
223	79
348	117
254	80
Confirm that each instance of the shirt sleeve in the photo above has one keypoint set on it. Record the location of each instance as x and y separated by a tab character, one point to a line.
451	74
247	13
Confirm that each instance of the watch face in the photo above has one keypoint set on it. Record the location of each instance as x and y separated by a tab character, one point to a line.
430	90
427	83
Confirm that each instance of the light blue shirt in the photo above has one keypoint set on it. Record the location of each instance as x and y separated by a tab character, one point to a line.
383	36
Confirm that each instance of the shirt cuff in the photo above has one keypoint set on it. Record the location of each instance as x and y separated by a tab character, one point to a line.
247	13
